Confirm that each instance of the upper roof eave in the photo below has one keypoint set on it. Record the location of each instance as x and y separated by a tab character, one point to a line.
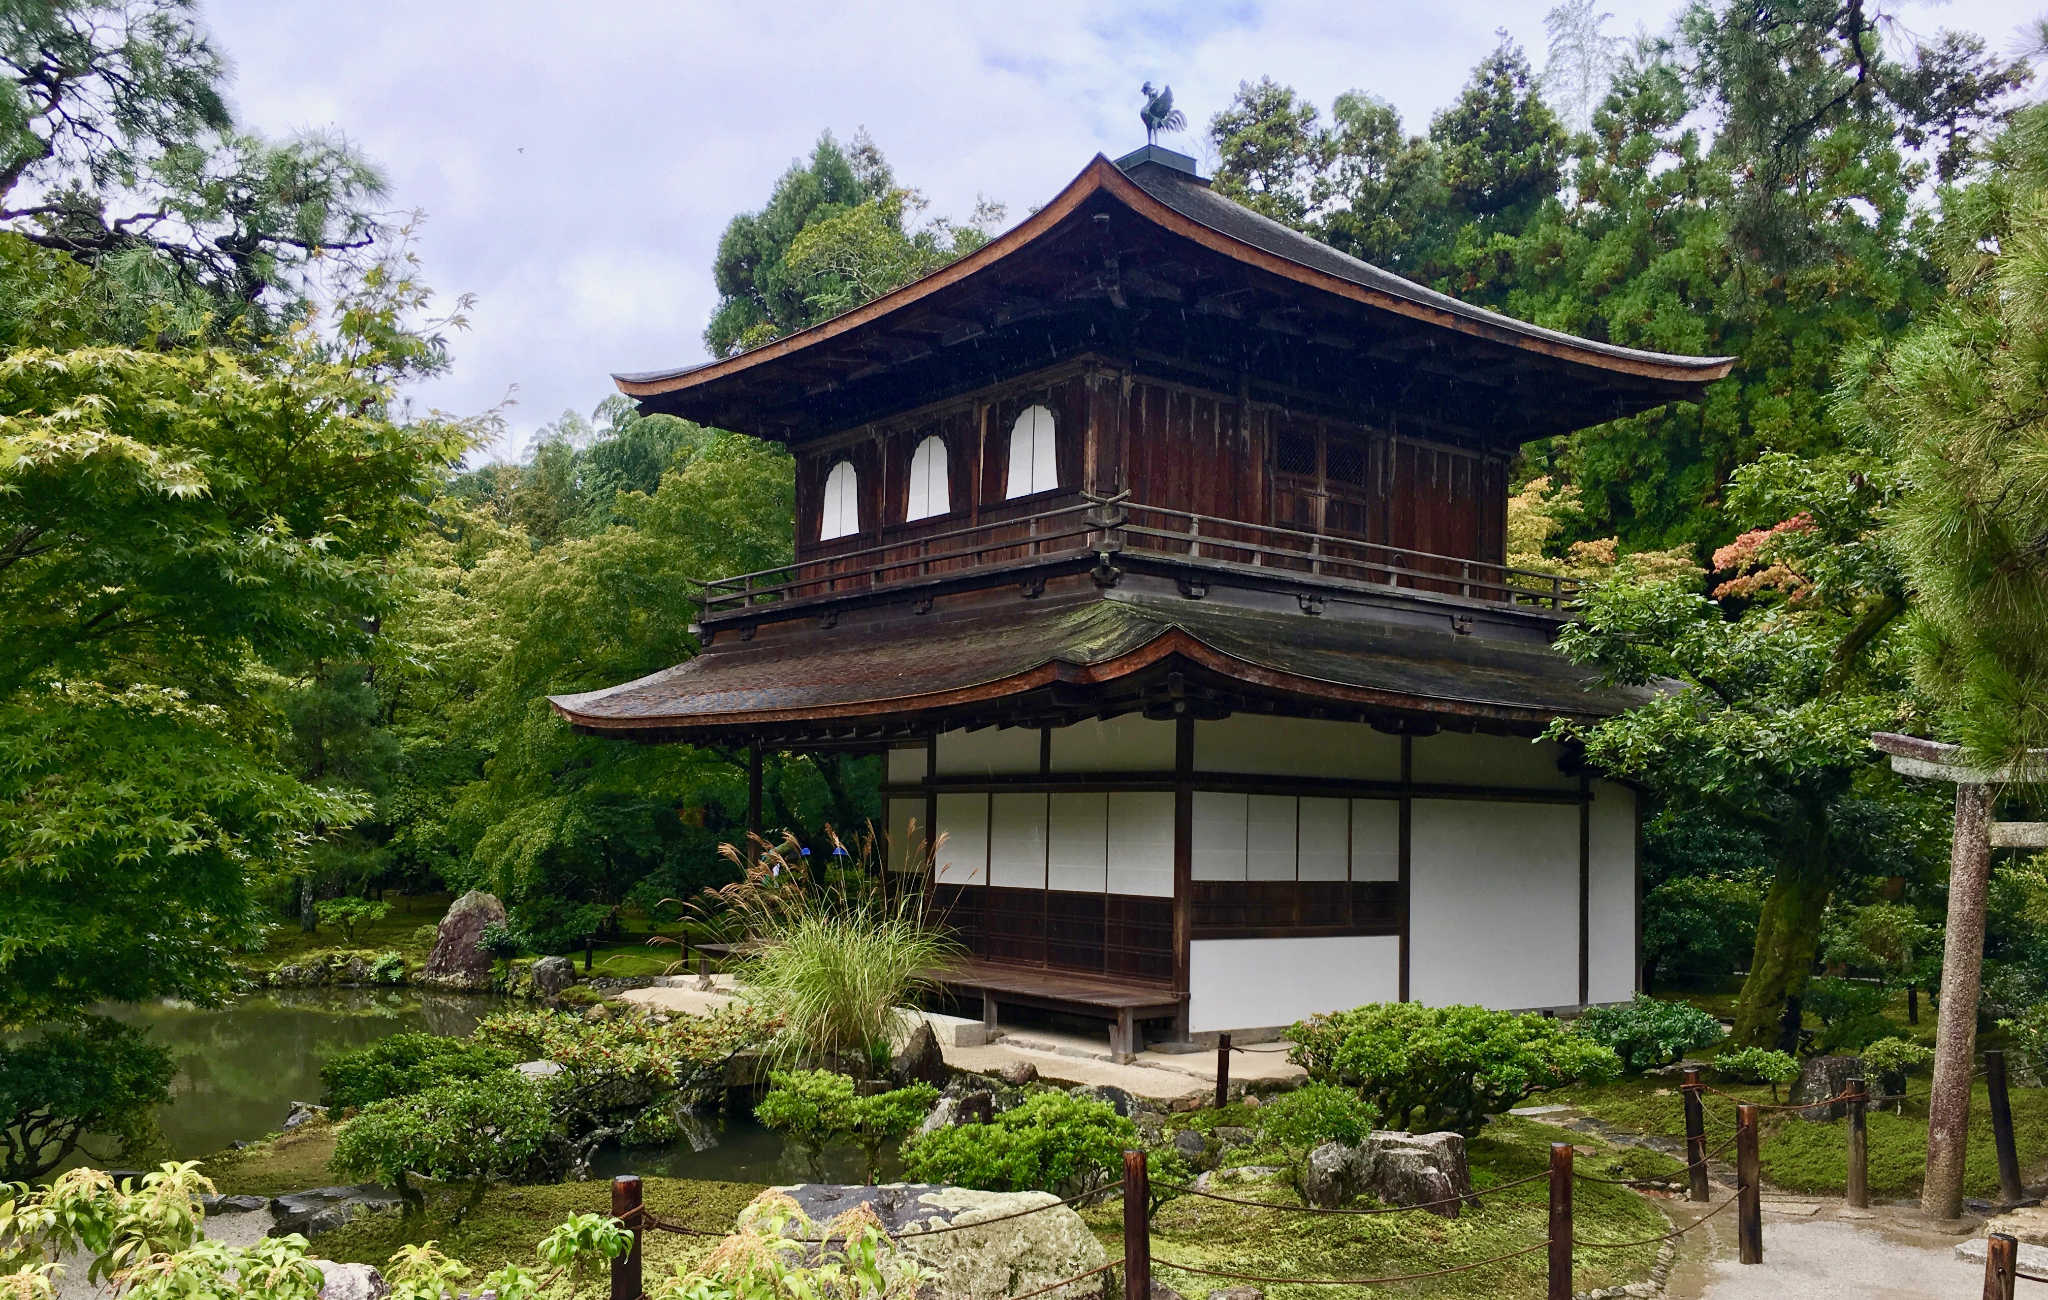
1372	286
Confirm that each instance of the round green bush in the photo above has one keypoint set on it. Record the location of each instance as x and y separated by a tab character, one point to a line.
471	1129
1647	1032
403	1064
1052	1142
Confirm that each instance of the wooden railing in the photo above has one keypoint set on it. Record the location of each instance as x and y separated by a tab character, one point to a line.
1110	525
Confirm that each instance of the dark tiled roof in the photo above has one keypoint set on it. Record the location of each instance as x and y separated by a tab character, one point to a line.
882	674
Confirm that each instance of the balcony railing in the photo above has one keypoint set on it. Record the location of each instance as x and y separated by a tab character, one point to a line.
1110	526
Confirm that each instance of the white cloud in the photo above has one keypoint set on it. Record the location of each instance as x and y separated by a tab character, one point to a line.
578	162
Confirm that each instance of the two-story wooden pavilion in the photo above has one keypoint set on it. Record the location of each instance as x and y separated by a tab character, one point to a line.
1161	548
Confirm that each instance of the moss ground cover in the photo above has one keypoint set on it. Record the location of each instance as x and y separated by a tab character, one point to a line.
1213	1234
396	931
286	1162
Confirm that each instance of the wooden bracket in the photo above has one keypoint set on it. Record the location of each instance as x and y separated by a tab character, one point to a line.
1194	588
1031	588
922	605
1309	604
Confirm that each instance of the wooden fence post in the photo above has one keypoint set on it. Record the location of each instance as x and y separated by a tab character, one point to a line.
2010	1189
1222	1071
1560	1222
2001	1265
1137	1227
1859	1146
626	1283
1695	1137
1749	1215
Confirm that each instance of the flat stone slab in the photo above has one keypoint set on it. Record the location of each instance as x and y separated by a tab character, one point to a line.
2033	1259
1799	1209
1533	1112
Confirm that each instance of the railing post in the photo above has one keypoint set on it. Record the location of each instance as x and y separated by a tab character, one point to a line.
1222	1071
1749	1215
1560	1287
1859	1146
2009	1187
1695	1137
2001	1265
1137	1227
626	1282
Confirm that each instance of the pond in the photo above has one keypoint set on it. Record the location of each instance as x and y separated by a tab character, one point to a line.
240	1067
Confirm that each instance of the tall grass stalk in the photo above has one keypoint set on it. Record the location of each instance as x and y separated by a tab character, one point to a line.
832	955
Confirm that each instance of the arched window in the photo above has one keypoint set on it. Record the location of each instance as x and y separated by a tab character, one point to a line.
1032	465
929	489
841	514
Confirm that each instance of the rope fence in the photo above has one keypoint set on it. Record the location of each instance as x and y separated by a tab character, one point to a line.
2001	1262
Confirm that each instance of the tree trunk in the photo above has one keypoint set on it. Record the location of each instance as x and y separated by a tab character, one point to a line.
1955	1034
1787	939
309	916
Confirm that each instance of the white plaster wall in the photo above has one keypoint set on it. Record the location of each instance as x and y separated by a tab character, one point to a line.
1494	903
902	840
991	751
1256	983
1140	848
1468	758
1130	743
1375	839
962	858
908	764
1260	745
1611	901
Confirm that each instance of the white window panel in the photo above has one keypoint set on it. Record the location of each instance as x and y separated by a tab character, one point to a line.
1130	743
1325	839
1141	843
991	751
1219	829
1269	837
1079	857
840	515
906	843
962	857
930	490
1034	465
1375	839
1017	841
909	764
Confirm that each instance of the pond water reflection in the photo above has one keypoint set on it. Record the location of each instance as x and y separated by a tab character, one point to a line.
240	1067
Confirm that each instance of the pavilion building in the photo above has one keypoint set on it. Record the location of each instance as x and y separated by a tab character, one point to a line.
1162	549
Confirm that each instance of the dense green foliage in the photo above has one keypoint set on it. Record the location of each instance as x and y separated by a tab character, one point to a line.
1050	1142
404	1064
1758	1065
1423	1068
1889	1060
72	1079
469	1130
1297	1122
818	1108
1647	1032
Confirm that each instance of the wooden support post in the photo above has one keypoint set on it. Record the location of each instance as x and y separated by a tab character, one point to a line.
1137	1227
1560	1287
2001	1265
1222	1071
753	800
1749	1215
1695	1137
2009	1188
1859	1146
589	947
1955	1038
626	1281
1913	1003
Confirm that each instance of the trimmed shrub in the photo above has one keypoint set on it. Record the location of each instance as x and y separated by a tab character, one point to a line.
1647	1032
1758	1065
1052	1143
1851	1012
468	1130
1890	1060
1298	1122
345	914
404	1064
818	1108
389	968
1424	1068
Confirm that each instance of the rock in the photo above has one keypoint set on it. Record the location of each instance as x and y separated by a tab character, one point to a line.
1116	1098
303	1112
944	1115
350	1281
2032	1259
551	975
1161	1291
1010	1258
920	1058
216	1205
321	1209
976	1108
456	961
1238	1293
1018	1073
1400	1176
1232	1135
1823	1077
1236	1174
354	970
598	1011
1335	1174
2029	1225
1443	1151
1190	1144
539	1069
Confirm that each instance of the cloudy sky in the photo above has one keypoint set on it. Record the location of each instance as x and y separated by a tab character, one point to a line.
577	161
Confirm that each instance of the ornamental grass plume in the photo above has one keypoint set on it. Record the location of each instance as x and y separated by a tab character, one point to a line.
832	956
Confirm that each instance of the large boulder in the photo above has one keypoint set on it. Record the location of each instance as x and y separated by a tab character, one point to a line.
350	1281
322	1209
1012	1257
1823	1077
920	1060
1335	1174
1421	1169
552	975
2029	1225
457	961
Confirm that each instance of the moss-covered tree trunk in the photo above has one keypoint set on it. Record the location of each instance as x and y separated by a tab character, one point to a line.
1787	940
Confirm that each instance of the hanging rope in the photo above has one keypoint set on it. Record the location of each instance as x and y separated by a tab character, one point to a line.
1191	1190
1349	1281
1673	1235
1078	1277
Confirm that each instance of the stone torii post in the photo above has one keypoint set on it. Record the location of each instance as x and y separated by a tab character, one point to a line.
1962	957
